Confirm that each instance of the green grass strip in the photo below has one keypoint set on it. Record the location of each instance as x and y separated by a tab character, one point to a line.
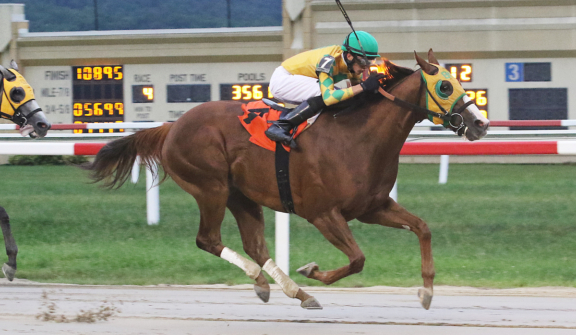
492	226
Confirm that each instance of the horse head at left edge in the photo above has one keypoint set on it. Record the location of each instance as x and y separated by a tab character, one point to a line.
18	104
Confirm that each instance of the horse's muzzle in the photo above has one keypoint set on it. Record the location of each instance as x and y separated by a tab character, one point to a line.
37	125
477	130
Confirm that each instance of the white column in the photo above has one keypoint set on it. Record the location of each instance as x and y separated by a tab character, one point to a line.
152	196
136	170
283	241
394	192
444	162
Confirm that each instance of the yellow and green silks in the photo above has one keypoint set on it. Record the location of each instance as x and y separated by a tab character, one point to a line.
330	95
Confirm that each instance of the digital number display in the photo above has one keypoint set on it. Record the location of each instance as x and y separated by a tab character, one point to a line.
88	109
245	92
97	95
90	131
188	93
462	72
142	93
480	98
95	73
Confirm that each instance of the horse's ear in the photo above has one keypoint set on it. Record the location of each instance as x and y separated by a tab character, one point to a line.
5	73
15	66
429	69
431	58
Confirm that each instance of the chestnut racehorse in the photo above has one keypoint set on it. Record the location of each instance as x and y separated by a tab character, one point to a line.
19	106
344	169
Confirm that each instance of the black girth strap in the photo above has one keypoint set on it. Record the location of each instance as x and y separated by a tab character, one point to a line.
283	177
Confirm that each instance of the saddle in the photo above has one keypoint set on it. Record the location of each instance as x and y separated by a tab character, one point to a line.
258	117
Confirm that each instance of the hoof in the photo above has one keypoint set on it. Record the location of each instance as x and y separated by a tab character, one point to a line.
425	295
262	293
307	269
311	303
9	271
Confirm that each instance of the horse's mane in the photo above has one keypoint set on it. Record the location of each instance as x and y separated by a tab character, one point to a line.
397	74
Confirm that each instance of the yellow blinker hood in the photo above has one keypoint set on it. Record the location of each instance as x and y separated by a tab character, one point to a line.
433	83
8	106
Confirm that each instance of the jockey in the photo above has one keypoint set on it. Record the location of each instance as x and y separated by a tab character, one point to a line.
308	79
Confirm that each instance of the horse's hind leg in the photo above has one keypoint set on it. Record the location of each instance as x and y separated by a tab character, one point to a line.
212	210
395	216
335	229
211	201
250	220
9	268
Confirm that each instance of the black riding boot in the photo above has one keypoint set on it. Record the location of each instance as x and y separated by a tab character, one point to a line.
279	131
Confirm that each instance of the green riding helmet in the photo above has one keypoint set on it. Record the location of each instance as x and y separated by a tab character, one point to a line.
368	41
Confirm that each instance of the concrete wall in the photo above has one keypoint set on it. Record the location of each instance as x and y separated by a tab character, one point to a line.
455	29
12	22
8	14
151	46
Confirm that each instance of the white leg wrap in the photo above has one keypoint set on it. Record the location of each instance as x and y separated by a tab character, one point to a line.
252	269
289	287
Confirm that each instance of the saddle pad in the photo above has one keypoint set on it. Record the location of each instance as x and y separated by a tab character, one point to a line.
257	118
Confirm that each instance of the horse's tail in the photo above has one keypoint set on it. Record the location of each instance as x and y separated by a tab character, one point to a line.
113	163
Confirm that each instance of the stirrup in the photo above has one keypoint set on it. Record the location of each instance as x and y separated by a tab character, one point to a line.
285	137
277	132
292	142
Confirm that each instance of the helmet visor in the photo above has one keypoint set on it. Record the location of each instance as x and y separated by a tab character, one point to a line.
365	61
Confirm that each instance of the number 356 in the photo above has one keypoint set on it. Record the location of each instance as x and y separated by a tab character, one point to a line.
247	92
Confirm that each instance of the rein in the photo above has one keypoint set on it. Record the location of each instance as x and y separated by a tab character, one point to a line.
451	117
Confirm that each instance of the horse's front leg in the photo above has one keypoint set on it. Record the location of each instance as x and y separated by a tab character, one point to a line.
9	268
395	216
250	220
335	229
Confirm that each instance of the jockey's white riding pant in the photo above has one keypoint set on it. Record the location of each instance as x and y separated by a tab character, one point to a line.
293	88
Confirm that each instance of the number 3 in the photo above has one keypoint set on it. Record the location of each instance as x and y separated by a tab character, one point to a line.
514	72
237	92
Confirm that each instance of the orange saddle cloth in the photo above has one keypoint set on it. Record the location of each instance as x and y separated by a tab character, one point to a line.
257	119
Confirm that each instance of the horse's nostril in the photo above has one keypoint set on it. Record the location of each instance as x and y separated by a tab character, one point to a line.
479	123
42	125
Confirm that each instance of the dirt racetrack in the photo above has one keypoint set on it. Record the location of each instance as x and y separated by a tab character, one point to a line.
219	309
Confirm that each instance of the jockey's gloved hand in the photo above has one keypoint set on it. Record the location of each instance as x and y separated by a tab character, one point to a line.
373	82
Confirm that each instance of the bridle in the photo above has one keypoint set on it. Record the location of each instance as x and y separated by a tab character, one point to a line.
453	119
18	117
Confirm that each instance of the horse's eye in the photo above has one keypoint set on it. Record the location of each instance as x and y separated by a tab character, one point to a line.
446	88
17	94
